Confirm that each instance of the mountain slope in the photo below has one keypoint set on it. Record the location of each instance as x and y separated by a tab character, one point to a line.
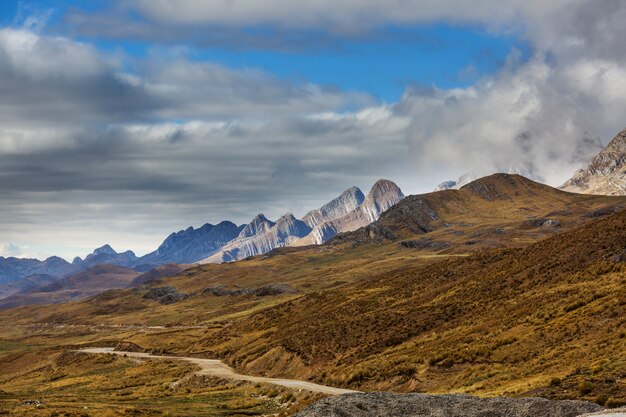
512	316
168	270
497	210
190	245
26	284
81	285
261	236
382	315
606	173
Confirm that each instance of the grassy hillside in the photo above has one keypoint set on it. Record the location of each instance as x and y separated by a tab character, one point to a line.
499	322
503	287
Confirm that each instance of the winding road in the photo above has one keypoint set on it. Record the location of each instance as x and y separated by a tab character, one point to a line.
214	367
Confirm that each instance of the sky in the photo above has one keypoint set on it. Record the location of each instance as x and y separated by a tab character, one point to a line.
124	121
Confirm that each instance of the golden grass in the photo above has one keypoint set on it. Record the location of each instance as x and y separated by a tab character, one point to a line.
545	304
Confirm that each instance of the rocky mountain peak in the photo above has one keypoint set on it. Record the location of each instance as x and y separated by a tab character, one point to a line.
258	225
612	158
605	174
347	201
105	250
384	186
190	245
384	194
288	225
107	255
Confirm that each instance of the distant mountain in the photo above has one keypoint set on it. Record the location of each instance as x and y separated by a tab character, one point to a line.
382	196
192	245
26	284
78	286
261	236
14	269
347	201
605	174
17	274
224	241
107	255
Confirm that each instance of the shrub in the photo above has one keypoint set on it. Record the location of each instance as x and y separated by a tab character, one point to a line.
613	403
555	382
602	399
585	387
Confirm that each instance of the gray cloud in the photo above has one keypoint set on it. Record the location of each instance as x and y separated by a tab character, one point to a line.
91	153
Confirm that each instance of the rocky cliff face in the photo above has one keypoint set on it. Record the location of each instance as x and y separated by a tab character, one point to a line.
268	236
606	173
384	194
192	245
337	207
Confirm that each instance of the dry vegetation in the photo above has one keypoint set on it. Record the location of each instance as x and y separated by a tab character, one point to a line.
506	307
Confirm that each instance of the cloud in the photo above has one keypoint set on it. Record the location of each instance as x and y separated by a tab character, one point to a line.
339	16
104	148
9	250
297	26
98	155
532	119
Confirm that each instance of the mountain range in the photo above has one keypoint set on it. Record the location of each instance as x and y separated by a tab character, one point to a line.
345	213
223	242
348	212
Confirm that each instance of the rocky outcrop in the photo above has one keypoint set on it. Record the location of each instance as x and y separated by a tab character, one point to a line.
424	243
165	295
261	236
605	174
263	291
191	245
384	404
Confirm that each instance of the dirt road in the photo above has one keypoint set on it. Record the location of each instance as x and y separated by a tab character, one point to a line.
214	367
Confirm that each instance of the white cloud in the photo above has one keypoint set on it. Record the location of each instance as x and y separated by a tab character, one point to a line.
131	157
9	250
